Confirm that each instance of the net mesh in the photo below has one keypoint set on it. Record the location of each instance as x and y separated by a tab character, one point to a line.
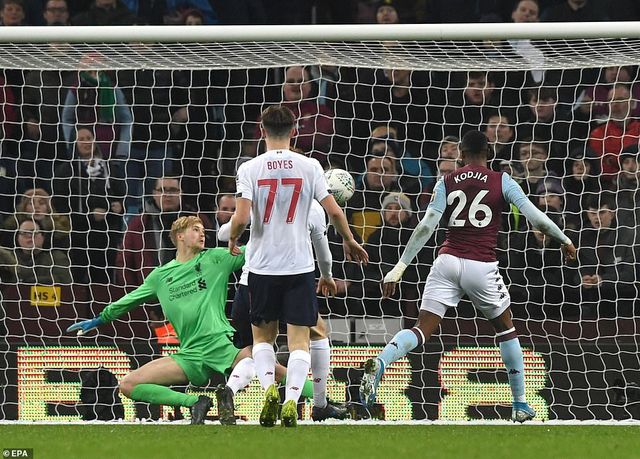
390	113
418	55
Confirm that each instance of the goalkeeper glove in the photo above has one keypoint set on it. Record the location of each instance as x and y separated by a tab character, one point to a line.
396	273
86	325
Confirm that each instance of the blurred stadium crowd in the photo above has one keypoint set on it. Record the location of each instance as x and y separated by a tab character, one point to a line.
96	165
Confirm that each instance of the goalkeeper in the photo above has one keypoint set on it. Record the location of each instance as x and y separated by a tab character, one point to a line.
192	290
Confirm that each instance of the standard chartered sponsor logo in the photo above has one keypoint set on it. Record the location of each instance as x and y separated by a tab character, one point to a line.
183	290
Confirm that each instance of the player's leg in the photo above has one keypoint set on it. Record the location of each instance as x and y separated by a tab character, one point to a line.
264	357
320	351
243	365
149	384
442	290
281	378
320	360
244	336
400	345
485	287
297	370
222	357
300	313
265	297
513	360
243	370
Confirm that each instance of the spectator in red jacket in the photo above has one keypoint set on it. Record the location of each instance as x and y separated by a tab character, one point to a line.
9	112
609	139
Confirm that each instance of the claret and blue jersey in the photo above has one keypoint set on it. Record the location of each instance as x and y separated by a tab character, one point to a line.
471	200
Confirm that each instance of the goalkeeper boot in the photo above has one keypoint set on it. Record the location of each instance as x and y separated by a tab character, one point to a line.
224	396
200	409
331	410
269	414
373	370
521	411
289	414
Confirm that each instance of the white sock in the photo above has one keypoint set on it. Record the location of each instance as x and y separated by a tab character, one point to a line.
242	374
297	371
265	363
320	358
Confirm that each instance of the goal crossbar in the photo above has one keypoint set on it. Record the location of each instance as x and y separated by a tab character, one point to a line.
410	46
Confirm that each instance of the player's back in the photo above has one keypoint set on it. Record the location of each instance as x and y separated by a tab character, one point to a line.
473	213
281	185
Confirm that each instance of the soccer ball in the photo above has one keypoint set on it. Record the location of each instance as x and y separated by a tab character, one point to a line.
341	185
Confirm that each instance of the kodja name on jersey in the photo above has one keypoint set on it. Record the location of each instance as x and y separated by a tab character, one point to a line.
470	175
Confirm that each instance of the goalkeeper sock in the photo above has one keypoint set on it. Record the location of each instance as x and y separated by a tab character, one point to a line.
161	395
265	360
307	388
297	371
511	353
242	374
320	357
400	345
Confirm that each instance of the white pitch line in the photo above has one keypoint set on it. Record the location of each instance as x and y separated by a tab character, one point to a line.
625	423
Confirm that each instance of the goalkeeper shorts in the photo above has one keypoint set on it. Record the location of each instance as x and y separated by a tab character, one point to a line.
200	363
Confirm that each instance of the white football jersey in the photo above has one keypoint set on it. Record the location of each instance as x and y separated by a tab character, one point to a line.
317	230
317	221
281	186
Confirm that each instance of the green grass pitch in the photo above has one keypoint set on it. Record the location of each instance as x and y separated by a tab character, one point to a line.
324	441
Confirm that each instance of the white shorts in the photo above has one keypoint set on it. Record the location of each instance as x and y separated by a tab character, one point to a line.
451	277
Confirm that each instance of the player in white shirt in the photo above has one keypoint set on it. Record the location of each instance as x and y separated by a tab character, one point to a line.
320	349
275	191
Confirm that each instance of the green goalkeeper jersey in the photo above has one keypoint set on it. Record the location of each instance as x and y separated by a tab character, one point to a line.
192	295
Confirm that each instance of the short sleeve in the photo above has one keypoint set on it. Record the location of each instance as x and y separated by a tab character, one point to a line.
317	222
512	192
320	183
439	197
244	186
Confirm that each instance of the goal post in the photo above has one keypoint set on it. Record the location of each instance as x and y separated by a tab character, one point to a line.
172	113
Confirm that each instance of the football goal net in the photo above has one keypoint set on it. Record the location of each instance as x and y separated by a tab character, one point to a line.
109	134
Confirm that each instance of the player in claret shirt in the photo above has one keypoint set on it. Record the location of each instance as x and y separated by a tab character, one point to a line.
192	290
471	198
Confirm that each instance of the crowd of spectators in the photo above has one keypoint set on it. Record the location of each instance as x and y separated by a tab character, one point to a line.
102	162
208	12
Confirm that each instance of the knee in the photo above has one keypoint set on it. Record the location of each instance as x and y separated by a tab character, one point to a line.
126	386
319	331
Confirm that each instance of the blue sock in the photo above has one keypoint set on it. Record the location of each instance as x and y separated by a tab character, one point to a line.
400	345
511	353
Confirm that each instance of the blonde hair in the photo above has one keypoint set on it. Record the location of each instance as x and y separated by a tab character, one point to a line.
29	195
56	224
181	225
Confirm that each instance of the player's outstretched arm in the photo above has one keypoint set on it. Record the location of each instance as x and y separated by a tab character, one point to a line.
514	195
421	234
326	284
85	326
239	221
120	307
352	250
